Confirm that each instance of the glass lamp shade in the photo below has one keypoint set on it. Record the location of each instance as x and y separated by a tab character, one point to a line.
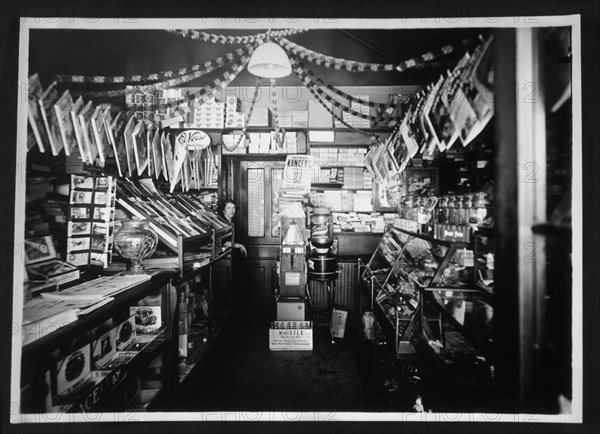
135	241
269	61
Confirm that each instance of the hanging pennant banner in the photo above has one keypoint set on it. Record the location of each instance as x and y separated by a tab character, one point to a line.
193	140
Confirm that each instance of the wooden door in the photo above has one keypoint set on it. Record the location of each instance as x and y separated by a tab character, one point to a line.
258	184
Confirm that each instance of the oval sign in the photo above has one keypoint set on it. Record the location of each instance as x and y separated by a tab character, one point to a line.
193	140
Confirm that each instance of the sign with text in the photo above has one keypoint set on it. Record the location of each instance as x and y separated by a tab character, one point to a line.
193	140
298	172
291	336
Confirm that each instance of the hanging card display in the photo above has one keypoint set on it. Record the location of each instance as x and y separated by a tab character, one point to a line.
129	146
74	113
46	102
85	120
34	114
62	109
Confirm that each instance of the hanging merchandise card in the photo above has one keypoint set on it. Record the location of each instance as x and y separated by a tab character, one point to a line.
118	128
138	139
85	120
34	113
129	146
179	156
74	113
149	136
62	109
99	134
449	97
164	148
106	121
156	154
411	144
427	115
439	118
49	97
111	132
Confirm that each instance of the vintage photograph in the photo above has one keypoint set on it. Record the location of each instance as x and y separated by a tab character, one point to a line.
431	269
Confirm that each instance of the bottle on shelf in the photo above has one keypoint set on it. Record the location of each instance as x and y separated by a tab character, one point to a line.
452	217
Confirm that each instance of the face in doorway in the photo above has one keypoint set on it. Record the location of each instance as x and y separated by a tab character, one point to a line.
229	210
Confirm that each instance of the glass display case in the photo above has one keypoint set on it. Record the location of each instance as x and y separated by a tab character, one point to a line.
424	294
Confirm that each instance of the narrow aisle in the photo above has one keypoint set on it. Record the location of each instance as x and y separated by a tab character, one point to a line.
244	374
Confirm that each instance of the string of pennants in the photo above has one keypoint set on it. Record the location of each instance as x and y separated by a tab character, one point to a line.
223	39
354	66
384	111
183	75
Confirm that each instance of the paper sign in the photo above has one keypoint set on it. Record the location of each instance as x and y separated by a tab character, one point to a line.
298	172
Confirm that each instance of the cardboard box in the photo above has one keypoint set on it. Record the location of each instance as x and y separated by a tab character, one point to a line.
260	117
291	309
73	371
300	119
291	336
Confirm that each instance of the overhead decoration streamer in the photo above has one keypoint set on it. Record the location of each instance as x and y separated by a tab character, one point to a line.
223	39
354	66
325	98
240	55
384	110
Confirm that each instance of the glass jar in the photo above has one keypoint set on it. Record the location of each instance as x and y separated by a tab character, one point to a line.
467	209
481	206
454	207
135	240
442	210
321	228
409	207
449	209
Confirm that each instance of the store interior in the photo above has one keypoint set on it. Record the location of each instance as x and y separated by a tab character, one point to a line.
400	239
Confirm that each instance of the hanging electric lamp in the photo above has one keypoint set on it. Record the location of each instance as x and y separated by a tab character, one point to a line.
269	60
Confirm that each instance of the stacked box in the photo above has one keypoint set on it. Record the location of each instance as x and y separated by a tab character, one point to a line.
291	143
260	117
355	121
367	179
254	143
233	117
265	143
211	114
300	119
285	119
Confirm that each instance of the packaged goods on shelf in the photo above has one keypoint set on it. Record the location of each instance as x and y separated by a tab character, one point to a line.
261	117
299	119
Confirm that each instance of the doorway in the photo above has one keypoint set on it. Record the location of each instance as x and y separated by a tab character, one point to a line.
254	186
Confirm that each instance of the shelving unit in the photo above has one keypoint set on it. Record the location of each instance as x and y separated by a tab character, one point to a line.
40	357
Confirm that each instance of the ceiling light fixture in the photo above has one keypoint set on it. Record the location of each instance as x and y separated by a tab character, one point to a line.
269	61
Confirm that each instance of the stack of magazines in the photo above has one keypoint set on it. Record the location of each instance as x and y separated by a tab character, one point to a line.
170	215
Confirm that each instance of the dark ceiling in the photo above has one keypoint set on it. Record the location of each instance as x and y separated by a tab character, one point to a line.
119	52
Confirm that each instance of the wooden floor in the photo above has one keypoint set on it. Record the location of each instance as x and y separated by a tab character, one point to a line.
244	375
